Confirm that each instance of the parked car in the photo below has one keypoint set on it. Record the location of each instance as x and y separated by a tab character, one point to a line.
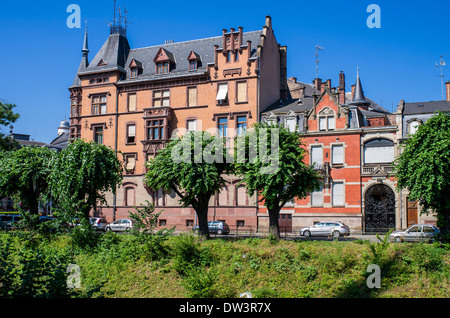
9	221
218	227
335	229
98	223
416	233
120	225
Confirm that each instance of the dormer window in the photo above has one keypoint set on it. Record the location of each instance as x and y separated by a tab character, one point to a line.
327	119
135	68
194	61
164	61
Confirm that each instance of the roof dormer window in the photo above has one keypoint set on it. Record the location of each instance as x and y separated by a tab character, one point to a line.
194	61
164	62
135	68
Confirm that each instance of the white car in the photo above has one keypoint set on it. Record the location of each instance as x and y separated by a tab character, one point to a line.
335	229
120	225
416	233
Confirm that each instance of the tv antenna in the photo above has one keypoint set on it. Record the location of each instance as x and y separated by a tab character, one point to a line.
318	48
120	24
440	65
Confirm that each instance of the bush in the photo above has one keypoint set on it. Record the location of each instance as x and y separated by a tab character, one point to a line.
187	252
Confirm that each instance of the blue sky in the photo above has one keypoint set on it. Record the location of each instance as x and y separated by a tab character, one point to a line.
40	54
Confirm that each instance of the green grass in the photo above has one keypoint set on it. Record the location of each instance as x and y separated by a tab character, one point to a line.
186	266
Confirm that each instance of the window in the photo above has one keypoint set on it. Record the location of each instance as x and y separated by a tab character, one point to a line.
337	154
228	56
134	72
413	127
192	65
240	223
317	157
130	163
241	125
378	151
317	197
241	92
98	135
189	223
162	222
222	92
131	102
291	123
155	129
192	96
99	105
327	123
223	124
131	134
161	98
192	125
338	194
162	68
75	109
236	56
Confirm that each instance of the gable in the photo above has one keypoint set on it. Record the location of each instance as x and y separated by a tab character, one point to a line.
163	56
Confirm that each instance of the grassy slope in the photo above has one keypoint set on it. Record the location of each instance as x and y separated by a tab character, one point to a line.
123	266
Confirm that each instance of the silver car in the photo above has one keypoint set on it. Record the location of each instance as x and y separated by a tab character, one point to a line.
98	223
416	233
120	225
335	229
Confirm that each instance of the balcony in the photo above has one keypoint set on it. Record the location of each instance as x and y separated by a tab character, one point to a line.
378	170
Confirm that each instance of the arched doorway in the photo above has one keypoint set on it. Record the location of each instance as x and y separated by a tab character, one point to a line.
379	209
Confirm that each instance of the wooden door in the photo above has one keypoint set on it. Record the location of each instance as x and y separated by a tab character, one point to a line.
411	215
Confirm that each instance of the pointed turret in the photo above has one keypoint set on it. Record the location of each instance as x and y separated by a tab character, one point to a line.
84	60
358	96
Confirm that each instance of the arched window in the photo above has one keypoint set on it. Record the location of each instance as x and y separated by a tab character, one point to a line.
379	151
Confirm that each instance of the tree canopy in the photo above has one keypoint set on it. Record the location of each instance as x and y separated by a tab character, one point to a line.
270	160
81	175
191	166
423	168
7	118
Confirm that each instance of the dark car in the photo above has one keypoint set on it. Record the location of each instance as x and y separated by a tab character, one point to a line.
218	227
9	221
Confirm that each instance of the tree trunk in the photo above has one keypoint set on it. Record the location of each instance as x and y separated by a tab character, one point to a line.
202	216
274	228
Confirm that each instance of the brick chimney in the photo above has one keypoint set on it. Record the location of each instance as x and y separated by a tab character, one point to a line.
318	84
447	91
341	88
353	90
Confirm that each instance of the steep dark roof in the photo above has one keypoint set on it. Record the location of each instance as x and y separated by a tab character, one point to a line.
358	97
426	107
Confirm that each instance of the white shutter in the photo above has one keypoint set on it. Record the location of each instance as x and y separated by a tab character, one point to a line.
291	123
322	123
338	193
131	102
192	125
131	130
317	197
337	154
331	122
222	92
379	154
317	156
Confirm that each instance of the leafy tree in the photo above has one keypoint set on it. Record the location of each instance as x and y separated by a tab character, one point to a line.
191	166
423	168
270	160
81	175
7	117
24	175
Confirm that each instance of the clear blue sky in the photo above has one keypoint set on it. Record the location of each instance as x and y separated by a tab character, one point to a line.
40	54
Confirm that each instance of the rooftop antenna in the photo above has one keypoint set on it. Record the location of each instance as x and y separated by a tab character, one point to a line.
119	25
318	48
440	66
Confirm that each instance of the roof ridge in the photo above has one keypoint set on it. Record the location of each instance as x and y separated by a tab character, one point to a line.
195	40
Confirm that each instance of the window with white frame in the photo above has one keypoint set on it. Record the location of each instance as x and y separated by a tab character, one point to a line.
337	194
316	156
337	154
291	123
192	125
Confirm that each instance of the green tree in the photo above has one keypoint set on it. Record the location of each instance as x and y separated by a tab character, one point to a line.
24	175
81	175
191	166
423	168
270	160
7	118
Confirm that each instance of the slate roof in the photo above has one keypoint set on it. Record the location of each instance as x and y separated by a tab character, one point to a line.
117	54
426	107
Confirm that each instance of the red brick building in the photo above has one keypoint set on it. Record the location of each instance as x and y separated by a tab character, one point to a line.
352	142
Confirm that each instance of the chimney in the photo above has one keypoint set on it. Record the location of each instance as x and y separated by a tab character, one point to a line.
223	39
447	91
240	35
329	83
283	72
341	88
353	91
302	91
293	79
318	84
